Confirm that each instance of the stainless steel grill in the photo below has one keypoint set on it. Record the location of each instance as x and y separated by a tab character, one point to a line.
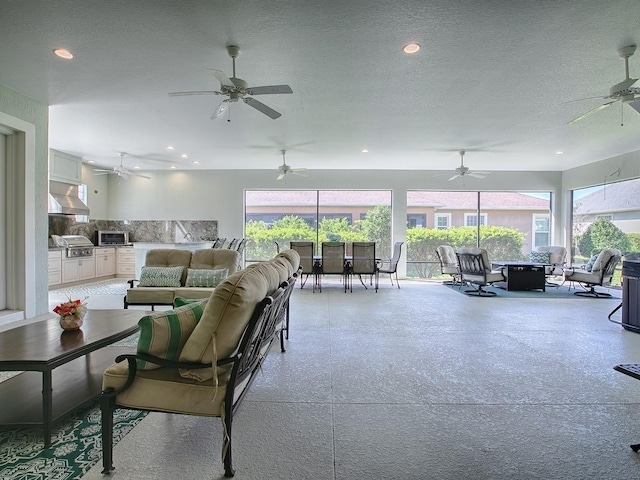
78	246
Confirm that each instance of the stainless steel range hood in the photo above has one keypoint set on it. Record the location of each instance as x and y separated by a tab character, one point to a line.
63	199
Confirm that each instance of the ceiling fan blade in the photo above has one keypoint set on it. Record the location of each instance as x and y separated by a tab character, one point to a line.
280	177
590	112
223	107
268	111
454	177
475	174
271	89
222	78
635	105
300	174
105	173
102	170
196	92
141	176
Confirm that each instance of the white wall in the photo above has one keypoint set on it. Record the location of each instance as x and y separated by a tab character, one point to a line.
219	194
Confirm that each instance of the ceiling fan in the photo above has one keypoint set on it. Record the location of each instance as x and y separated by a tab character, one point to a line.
284	169
623	91
235	89
121	170
463	171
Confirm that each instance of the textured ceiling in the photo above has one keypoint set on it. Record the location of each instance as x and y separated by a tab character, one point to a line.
492	77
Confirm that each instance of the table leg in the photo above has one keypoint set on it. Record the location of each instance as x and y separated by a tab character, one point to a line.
47	406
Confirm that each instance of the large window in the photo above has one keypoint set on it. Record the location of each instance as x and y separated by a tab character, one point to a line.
509	225
274	218
606	216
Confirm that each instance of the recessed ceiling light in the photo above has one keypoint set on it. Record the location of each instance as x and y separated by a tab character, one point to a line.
364	150
63	53
173	167
196	162
170	147
184	155
136	167
412	47
559	152
91	161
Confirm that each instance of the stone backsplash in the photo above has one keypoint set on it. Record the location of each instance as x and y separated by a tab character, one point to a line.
146	231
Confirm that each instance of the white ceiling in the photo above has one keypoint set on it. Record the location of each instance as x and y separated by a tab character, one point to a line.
492	77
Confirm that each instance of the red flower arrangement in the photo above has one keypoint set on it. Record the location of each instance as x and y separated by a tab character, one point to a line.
72	307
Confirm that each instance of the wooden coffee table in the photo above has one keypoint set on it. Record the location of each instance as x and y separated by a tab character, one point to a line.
71	363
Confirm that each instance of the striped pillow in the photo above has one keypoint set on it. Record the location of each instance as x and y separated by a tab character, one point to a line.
163	334
161	276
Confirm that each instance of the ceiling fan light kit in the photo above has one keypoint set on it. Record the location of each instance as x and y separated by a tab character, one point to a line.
624	91
235	89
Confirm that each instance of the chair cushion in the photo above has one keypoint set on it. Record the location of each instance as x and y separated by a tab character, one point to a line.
214	258
205	277
448	255
163	334
150	295
164	390
539	257
161	276
228	312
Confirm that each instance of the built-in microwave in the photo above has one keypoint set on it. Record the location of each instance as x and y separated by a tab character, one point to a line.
113	238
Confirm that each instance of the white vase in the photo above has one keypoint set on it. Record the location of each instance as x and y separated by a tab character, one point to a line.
71	322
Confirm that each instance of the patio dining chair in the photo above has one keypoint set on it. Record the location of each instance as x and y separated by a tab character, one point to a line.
333	262
308	264
391	266
449	264
363	262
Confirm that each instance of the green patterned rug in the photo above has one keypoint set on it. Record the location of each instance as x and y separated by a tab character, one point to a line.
75	446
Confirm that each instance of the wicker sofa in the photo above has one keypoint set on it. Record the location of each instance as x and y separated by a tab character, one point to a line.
220	345
171	272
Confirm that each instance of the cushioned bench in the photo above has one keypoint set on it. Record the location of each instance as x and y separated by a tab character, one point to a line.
200	358
170	272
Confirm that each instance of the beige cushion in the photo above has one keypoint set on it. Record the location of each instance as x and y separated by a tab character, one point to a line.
227	313
557	254
165	390
169	257
150	295
448	256
603	258
216	258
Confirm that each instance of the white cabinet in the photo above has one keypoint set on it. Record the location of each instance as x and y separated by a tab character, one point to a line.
64	167
105	261
76	269
55	267
126	262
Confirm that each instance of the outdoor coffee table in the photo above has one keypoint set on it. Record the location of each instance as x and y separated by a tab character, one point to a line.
71	363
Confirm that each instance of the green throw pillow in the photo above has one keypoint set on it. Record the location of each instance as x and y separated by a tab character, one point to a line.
161	276
205	277
163	334
181	301
539	257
